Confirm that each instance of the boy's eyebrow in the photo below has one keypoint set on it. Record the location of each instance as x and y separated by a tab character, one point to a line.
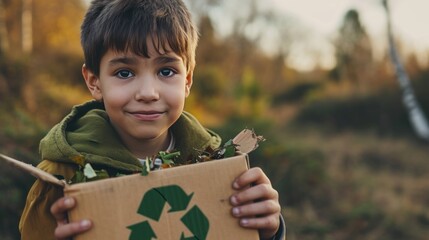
167	59
134	61
123	60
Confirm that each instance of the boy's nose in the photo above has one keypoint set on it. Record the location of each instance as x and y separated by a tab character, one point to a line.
147	89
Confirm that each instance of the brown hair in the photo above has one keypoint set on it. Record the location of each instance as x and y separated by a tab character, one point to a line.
123	25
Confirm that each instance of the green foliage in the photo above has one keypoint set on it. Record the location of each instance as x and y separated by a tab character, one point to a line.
13	76
69	72
405	228
19	128
209	82
380	112
367	212
234	124
378	161
13	187
300	174
19	137
296	93
249	86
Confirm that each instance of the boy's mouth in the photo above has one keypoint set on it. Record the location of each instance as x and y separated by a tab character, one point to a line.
147	115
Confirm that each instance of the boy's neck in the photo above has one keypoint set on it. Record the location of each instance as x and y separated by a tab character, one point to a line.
150	147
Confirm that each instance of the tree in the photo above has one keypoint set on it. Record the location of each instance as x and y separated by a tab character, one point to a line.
27	26
4	41
37	26
353	51
416	115
55	26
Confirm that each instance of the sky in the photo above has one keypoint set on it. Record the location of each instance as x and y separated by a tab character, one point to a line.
322	18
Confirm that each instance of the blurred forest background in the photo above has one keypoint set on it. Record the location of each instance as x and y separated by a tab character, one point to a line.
340	148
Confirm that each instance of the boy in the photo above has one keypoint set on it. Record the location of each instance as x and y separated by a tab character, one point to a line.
139	61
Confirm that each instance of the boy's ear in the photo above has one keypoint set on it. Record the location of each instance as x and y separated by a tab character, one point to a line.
188	84
92	82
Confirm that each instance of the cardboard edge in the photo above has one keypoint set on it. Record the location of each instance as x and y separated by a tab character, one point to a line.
36	172
73	187
49	178
247	158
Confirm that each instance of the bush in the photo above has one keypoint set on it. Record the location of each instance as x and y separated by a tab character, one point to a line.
13	76
295	93
383	113
299	174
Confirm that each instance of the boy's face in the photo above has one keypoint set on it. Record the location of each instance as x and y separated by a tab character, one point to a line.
142	96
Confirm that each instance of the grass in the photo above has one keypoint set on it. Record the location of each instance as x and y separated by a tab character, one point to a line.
377	188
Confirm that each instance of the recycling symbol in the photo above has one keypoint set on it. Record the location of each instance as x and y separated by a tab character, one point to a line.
152	205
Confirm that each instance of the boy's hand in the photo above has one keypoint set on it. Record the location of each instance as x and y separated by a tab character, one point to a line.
66	230
257	206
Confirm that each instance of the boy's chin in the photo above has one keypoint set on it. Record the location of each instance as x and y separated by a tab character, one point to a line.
148	135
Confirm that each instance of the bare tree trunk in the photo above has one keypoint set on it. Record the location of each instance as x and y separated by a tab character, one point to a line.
27	26
416	115
4	40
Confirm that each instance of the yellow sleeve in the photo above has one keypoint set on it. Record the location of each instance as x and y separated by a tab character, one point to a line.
37	221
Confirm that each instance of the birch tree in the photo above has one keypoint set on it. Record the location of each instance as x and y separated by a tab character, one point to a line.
415	113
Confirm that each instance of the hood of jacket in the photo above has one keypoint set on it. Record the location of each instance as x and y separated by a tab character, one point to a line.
86	136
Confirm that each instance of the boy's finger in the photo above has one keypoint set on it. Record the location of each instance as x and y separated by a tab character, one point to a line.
267	225
254	193
251	176
71	229
60	207
270	222
260	208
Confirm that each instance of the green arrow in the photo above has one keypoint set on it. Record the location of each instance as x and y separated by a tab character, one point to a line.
188	238
196	222
154	200
175	196
151	205
141	231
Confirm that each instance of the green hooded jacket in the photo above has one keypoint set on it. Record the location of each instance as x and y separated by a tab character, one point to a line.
87	135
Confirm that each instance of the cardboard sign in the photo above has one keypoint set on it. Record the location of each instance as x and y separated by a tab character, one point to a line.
185	202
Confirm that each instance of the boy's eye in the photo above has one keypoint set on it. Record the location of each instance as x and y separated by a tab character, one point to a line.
124	74
166	72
